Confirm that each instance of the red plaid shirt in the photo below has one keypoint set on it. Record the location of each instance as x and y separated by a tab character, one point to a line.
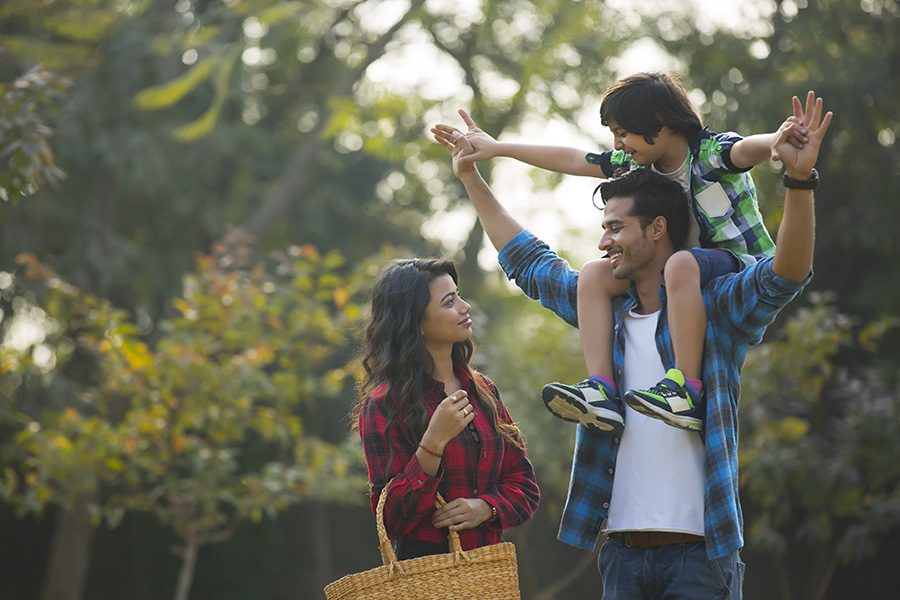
492	469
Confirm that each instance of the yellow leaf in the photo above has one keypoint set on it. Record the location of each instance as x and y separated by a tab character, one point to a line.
341	295
170	92
61	442
70	414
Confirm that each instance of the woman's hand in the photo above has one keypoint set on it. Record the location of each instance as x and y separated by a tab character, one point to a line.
462	513
449	418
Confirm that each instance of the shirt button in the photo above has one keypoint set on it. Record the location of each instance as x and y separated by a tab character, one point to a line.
610	471
420	481
484	454
606	505
615	440
475	491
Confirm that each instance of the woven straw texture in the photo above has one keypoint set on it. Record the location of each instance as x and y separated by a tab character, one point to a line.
486	573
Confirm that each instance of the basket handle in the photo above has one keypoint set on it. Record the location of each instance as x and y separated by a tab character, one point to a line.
388	556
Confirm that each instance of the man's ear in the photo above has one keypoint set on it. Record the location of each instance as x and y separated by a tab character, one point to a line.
658	228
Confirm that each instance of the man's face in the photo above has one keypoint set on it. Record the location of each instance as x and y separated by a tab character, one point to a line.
628	246
635	145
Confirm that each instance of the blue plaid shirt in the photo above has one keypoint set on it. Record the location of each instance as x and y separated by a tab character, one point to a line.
739	307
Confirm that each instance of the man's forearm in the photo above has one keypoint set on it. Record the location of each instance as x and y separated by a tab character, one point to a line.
752	150
796	236
499	225
560	159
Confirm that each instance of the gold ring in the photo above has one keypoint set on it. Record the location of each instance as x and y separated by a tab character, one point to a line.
465	412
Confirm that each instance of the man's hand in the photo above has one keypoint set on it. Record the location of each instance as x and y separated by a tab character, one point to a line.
483	145
799	162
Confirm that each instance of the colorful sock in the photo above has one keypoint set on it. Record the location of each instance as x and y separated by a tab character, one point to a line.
694	386
608	384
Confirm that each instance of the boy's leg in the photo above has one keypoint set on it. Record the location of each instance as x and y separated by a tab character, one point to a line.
593	402
686	313
596	289
678	398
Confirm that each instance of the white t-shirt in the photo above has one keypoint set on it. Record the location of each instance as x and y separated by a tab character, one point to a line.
658	482
683	176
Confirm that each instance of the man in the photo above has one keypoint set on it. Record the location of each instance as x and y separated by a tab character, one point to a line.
666	499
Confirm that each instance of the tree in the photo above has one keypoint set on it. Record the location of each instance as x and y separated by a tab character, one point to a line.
204	429
820	455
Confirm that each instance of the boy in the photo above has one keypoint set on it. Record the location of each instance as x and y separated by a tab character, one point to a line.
655	126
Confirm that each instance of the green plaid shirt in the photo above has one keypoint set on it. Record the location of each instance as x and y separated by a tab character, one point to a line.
723	196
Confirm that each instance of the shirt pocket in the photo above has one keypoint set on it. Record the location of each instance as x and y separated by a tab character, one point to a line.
714	202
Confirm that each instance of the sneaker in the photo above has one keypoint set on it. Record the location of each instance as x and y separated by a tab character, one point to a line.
586	402
670	401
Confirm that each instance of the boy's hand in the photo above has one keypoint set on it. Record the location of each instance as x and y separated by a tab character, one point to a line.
798	135
460	148
484	146
799	162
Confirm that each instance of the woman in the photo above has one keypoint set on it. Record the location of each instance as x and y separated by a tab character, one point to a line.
431	423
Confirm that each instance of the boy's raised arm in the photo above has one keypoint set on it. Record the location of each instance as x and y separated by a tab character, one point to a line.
499	225
561	159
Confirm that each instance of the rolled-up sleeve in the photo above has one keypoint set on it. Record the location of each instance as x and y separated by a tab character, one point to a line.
715	154
749	300
542	274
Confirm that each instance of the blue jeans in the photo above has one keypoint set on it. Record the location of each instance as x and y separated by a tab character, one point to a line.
674	572
714	262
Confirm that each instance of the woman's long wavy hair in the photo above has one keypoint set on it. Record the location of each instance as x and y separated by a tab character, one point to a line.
393	350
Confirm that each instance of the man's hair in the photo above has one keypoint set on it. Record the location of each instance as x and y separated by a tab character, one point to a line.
644	103
654	196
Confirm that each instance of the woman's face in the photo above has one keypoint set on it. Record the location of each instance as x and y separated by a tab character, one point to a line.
446	319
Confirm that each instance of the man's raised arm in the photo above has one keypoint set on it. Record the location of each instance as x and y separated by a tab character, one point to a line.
795	240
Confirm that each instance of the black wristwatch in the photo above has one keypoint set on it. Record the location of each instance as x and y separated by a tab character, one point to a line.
801	184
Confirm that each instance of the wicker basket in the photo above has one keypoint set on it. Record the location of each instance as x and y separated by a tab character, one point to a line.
486	573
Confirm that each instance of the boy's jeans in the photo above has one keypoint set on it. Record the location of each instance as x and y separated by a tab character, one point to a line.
677	571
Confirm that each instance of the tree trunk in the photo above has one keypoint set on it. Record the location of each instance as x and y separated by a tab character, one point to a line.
824	580
301	167
188	555
322	542
70	555
784	581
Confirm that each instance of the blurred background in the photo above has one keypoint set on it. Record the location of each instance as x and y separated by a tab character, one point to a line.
195	196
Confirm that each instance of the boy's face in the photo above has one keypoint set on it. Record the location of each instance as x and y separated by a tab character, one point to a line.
635	145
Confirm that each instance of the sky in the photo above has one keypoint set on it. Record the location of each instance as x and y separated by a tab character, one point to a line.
565	217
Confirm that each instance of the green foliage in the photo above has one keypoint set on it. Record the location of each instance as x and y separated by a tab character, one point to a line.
820	448
27	159
59	33
204	427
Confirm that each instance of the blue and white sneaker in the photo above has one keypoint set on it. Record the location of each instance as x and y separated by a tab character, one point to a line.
671	402
587	403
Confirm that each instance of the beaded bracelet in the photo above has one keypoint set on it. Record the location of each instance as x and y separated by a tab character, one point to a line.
431	452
